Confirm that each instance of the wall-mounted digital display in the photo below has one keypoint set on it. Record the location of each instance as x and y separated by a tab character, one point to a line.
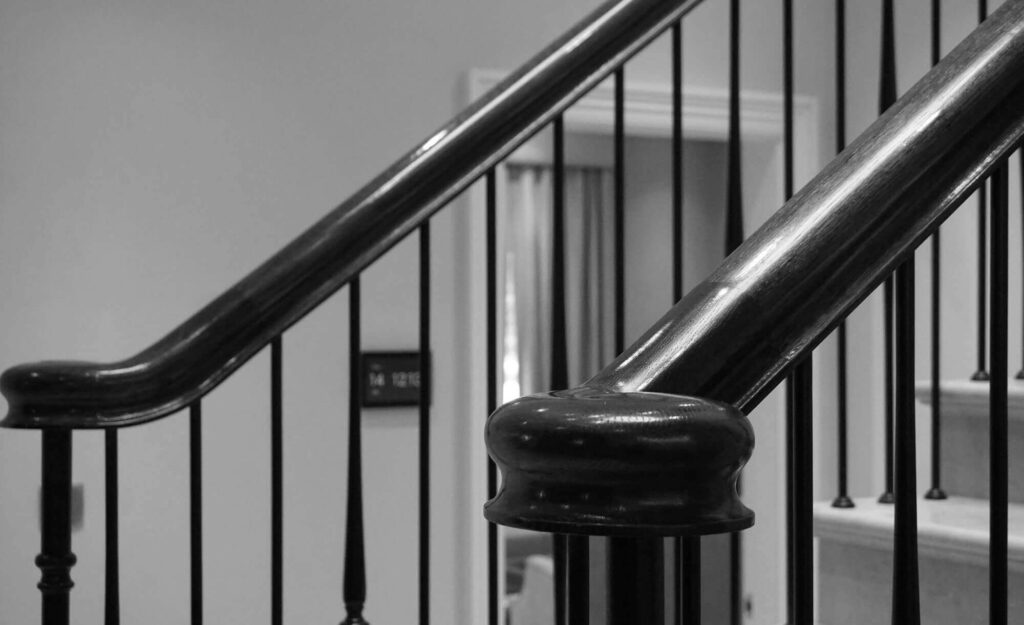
391	379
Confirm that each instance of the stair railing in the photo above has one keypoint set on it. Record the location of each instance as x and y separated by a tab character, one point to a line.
177	371
615	457
618	457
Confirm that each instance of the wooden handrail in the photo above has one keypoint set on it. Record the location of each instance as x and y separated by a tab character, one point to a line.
737	334
204	350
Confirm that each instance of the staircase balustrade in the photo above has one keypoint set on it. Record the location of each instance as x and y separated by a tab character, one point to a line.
651	447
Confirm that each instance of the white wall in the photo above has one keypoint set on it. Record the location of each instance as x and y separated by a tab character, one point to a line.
155	152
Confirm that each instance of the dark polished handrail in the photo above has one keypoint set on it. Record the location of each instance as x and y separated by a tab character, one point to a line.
739	332
204	350
609	458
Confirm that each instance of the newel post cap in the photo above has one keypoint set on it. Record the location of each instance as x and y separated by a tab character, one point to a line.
589	461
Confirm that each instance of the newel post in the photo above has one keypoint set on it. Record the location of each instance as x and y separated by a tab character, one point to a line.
55	558
636	467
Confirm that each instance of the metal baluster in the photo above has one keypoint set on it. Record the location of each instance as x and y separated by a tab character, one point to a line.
559	350
55	558
636	569
578	589
677	275
936	492
842	499
886	97
733	239
981	375
620	210
354	591
790	460
560	588
906	608
690	572
793	593
572	553
276	484
799	414
734	198
195	448
677	161
787	97
999	433
802	485
1020	162
112	584
887	496
492	386
424	442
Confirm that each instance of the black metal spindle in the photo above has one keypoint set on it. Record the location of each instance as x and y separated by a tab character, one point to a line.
886	98
560	555
1020	162
888	310
112	585
578	590
936	492
802	485
733	239
791	468
734	194
620	210
793	538
55	558
787	96
636	581
677	161
906	608
195	453
276	483
799	414
689	607
559	355
840	75
492	384
677	586
842	499
999	432
354	585
559	350
677	254
981	375
424	439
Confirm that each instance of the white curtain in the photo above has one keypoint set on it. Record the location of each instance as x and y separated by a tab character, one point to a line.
528	246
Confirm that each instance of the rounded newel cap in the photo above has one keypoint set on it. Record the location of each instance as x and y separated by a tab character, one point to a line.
588	461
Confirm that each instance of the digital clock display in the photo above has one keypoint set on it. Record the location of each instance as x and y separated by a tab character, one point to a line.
391	379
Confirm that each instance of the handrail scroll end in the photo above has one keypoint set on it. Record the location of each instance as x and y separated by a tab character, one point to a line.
65	395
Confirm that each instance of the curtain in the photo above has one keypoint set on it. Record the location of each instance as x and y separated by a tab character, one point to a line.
528	256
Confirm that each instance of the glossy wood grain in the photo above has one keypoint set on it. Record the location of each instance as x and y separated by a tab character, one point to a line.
734	336
637	464
606	459
199	354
